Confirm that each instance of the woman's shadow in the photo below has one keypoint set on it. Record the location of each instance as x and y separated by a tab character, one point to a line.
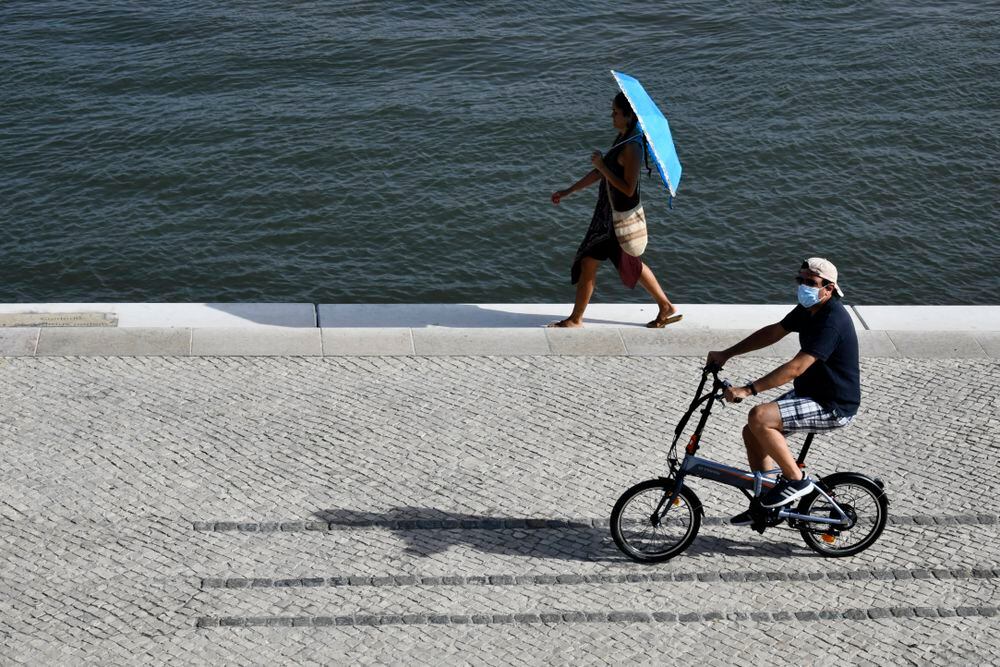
428	531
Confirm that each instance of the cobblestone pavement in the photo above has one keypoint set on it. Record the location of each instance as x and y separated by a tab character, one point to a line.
454	509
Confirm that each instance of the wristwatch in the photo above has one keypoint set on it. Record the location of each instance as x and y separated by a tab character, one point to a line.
753	392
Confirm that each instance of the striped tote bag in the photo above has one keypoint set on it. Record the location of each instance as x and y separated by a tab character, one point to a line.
630	227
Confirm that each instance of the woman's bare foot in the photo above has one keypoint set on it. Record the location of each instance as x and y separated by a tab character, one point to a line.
565	324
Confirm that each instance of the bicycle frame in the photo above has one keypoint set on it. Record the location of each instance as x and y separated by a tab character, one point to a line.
751	483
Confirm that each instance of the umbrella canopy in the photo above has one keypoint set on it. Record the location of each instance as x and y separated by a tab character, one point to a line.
654	125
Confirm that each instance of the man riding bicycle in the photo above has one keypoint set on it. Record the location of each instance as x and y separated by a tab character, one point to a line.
826	374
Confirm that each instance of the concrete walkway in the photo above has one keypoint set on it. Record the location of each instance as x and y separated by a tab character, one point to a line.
452	510
430	484
461	329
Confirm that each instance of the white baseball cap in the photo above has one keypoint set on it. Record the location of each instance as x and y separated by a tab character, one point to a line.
823	268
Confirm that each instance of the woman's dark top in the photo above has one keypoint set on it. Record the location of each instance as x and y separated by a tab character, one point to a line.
620	200
600	241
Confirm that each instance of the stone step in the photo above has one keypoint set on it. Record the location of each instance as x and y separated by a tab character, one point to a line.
596	602
986	571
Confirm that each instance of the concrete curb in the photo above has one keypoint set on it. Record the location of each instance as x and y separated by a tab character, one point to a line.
184	342
172	315
470	330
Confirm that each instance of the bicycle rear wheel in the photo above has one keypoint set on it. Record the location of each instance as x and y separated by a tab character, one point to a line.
861	498
647	538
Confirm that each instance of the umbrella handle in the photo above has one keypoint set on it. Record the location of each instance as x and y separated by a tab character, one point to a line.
622	143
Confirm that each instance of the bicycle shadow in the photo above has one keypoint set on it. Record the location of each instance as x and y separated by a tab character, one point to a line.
427	531
713	545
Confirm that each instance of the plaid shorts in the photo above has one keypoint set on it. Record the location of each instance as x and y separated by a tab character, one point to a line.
800	414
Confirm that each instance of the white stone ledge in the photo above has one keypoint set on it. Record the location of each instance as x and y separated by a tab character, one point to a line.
634	341
18	342
471	329
180	315
256	342
512	315
367	342
496	316
102	342
480	342
930	318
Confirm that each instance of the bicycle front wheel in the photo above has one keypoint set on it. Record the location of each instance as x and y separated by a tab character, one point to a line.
646	529
862	499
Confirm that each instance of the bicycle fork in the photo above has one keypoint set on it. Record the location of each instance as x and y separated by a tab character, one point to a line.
667	501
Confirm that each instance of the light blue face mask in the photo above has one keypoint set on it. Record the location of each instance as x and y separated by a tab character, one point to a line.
808	296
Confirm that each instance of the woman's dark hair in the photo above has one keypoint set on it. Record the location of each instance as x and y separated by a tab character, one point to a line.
622	104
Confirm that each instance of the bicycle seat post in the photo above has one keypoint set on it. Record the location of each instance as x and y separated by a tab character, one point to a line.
805	450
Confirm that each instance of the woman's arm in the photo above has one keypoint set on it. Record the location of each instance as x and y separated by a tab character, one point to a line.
592	177
631	157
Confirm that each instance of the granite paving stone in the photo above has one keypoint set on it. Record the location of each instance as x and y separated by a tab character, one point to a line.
453	510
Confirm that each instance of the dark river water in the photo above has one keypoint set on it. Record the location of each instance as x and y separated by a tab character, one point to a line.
385	152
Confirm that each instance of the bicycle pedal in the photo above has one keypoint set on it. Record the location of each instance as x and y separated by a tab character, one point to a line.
764	519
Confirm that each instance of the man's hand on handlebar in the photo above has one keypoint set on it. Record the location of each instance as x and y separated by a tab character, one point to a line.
736	394
716	359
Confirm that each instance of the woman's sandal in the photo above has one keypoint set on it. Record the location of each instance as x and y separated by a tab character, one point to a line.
561	324
659	323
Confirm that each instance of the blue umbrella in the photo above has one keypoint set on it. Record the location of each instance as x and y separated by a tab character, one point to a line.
654	125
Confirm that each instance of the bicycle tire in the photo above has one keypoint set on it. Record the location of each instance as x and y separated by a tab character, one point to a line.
847	488
684	518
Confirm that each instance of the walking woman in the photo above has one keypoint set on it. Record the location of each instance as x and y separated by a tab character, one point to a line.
620	169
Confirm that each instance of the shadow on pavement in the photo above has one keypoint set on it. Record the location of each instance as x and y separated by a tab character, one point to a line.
428	531
756	546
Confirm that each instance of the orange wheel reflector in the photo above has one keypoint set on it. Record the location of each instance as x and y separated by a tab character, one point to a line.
829	539
677	501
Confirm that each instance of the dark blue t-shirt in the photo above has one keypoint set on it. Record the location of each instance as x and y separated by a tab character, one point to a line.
834	379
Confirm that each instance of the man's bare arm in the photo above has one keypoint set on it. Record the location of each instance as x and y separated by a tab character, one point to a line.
783	374
786	372
761	338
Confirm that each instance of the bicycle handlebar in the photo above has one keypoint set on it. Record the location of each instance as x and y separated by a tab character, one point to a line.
700	398
714	369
